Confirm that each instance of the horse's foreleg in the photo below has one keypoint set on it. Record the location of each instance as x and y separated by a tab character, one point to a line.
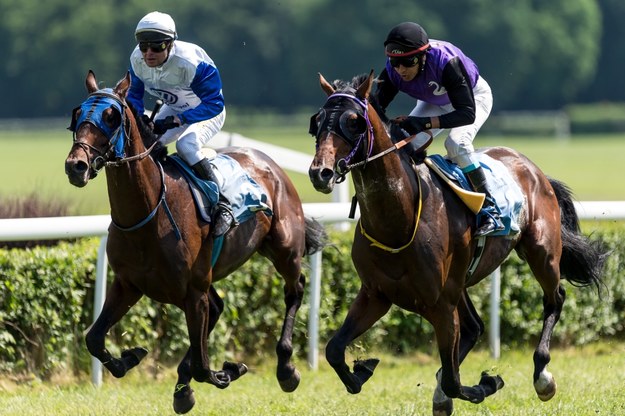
287	374
363	313
544	382
184	399
197	312
471	328
119	299
447	326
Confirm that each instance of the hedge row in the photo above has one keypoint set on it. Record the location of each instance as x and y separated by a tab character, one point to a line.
46	303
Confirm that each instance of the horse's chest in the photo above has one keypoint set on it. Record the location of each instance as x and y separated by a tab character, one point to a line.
400	282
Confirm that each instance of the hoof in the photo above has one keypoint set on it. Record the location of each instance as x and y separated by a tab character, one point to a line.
219	379
184	400
363	369
234	370
545	386
289	385
441	404
133	356
445	408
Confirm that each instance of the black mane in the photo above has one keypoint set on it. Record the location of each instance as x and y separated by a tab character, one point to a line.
352	86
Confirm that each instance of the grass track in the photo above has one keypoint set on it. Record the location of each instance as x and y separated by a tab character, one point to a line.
590	382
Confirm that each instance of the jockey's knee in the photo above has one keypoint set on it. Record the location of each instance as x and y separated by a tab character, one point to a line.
189	150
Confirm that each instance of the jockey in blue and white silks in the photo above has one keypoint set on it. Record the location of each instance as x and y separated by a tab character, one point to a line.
188	81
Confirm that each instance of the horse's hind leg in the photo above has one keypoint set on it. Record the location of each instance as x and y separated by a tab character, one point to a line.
119	299
543	257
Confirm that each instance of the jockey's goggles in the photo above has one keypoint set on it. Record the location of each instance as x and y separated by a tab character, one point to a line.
405	61
156	47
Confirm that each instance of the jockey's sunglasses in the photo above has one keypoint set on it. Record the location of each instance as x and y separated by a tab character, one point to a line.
156	47
405	61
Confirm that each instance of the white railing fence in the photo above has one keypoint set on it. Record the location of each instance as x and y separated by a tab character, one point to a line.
22	229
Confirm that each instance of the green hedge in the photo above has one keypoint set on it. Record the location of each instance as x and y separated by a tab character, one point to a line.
46	303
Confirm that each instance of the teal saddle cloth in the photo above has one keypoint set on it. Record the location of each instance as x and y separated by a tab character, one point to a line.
506	192
245	195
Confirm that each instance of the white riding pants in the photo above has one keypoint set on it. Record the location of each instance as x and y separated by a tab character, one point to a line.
459	143
192	137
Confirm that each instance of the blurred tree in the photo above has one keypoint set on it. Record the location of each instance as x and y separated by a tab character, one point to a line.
609	83
535	54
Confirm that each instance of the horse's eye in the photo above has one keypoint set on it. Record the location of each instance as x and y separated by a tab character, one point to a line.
352	123
316	121
73	124
112	117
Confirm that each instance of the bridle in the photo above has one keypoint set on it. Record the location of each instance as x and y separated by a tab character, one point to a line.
91	111
344	165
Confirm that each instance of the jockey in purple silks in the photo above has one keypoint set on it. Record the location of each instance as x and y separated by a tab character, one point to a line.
450	94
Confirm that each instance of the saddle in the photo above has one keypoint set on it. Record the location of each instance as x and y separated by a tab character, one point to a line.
245	195
506	192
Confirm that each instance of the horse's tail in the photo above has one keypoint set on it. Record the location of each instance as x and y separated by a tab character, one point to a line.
316	236
582	260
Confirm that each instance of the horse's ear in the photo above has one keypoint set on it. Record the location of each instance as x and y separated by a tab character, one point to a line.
122	86
365	88
91	83
325	85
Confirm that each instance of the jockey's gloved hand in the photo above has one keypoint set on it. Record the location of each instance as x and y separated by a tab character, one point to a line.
414	125
146	119
164	124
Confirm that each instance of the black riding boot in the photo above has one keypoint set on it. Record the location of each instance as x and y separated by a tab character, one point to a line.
490	222
222	215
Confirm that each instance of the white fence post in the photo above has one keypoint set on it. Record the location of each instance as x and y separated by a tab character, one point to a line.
98	301
313	315
495	295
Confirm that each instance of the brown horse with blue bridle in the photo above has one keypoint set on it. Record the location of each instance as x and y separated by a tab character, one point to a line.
159	245
413	245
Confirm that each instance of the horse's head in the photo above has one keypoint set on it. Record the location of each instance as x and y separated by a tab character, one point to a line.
100	130
342	130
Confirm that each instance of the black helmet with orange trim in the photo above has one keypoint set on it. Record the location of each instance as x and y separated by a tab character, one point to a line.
406	39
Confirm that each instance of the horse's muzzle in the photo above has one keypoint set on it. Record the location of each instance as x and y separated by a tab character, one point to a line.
77	172
323	179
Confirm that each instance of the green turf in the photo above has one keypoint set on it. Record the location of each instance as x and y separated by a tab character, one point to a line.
33	162
590	382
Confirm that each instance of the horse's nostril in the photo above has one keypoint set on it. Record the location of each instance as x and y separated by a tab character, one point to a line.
326	174
80	167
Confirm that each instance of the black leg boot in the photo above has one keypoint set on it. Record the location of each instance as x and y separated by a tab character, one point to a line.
490	221
222	216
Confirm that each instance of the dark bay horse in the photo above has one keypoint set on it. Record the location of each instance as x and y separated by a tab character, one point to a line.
413	244
158	245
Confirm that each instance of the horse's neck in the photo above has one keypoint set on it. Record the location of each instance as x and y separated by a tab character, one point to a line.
134	187
384	187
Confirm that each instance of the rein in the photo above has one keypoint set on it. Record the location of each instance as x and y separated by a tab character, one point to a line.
124	160
161	200
343	165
